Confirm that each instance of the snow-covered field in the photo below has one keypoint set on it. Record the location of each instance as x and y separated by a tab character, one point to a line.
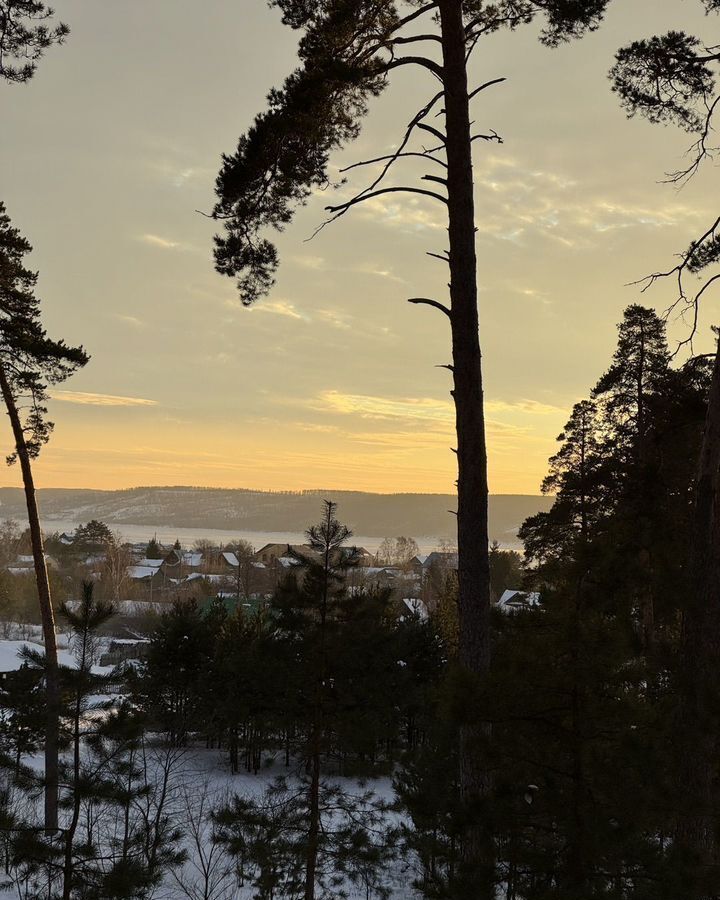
11	660
202	781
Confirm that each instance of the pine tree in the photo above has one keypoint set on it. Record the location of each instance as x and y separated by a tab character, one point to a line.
169	688
84	622
348	51
26	32
672	78
576	479
153	550
623	483
342	678
29	363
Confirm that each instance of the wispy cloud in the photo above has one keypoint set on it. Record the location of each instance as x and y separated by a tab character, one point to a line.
129	320
379	271
368	407
532	407
173	166
84	398
316	263
155	240
335	318
519	202
281	308
426	409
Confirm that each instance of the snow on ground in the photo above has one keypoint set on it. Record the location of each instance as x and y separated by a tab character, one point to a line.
10	659
202	781
205	774
203	777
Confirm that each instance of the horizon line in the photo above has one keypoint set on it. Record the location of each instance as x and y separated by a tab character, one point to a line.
247	490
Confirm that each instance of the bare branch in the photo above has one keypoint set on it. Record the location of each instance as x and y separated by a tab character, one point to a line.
492	136
700	149
433	131
411	17
424	301
415	39
343	207
421	61
678	272
392	157
414	123
484	86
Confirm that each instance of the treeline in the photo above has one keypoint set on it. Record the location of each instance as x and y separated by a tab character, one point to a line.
586	696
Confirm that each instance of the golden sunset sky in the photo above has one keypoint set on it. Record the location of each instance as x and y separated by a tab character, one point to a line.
331	382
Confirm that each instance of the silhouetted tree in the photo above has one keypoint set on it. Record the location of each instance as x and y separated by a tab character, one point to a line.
348	50
26	32
153	549
93	536
673	78
29	363
84	622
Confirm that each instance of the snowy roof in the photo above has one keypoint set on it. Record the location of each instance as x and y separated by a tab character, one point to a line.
441	558
417	607
287	562
137	573
194	576
192	559
150	563
130	642
514	600
381	570
231	559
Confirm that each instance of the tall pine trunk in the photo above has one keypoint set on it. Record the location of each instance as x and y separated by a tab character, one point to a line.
313	835
472	485
700	664
52	687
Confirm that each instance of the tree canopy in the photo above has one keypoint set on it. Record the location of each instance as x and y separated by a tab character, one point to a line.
27	30
32	361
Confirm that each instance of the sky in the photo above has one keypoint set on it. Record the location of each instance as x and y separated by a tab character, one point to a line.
108	158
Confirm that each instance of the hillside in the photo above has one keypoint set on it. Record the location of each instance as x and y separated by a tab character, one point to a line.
367	514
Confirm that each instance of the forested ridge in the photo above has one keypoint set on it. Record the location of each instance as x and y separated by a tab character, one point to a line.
197	507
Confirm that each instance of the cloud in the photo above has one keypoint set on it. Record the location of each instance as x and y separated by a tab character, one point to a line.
281	308
425	409
408	213
316	263
519	202
83	398
368	407
532	407
129	320
379	271
335	318
178	171
155	240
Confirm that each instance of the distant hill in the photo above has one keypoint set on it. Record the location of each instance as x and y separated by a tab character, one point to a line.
214	508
